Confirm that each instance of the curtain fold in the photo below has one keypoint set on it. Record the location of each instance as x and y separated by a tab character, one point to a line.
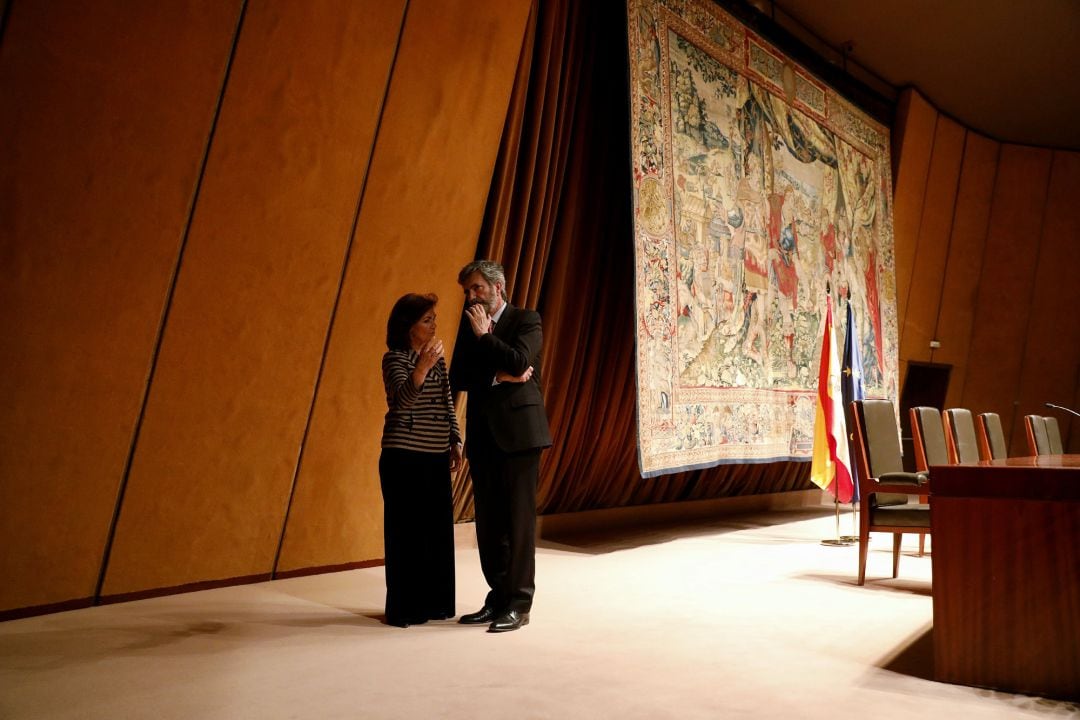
559	220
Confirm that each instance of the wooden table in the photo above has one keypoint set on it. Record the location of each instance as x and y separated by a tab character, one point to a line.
1006	573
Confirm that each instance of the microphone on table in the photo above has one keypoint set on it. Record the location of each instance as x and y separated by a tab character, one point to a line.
1063	409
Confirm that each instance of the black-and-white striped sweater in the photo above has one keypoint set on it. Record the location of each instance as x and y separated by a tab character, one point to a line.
421	419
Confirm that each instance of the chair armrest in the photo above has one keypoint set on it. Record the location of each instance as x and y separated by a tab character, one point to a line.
901	483
903	478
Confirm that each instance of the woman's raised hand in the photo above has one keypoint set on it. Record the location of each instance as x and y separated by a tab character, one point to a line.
429	355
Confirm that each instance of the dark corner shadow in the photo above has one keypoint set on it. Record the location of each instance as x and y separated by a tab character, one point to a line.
885	584
169	631
916	659
602	540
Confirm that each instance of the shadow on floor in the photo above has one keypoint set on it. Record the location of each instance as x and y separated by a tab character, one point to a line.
916	659
601	540
923	588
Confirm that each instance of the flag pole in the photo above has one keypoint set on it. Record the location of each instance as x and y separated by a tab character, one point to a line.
841	540
828	355
851	389
854	537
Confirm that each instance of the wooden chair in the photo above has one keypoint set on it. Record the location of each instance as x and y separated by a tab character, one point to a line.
960	438
1037	440
1053	435
928	437
991	437
884	487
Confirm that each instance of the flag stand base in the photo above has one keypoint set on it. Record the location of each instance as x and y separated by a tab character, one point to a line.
850	538
839	541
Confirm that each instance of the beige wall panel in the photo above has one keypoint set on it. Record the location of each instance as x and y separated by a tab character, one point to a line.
1051	362
913	142
928	267
1003	302
970	222
105	109
418	224
231	395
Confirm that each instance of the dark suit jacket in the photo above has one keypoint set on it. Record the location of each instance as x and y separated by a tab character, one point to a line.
512	413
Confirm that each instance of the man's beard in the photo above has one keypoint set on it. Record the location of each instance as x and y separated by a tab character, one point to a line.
479	301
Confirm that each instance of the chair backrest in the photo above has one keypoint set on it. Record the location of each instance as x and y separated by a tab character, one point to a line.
1053	435
960	436
929	436
1038	442
991	437
882	438
878	449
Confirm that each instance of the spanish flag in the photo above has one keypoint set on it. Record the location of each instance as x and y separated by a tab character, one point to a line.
831	466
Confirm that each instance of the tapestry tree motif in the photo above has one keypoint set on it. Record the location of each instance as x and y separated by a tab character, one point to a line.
757	189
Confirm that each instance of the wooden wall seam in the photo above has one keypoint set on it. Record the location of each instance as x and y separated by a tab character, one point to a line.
1003	310
423	207
350	240
982	265
930	259
1052	342
949	241
163	322
919	230
1035	273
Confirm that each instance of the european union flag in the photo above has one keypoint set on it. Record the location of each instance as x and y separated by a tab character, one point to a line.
851	387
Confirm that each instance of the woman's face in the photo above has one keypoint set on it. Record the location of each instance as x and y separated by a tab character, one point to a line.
423	330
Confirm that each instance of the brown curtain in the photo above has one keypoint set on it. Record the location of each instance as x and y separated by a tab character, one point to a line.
559	220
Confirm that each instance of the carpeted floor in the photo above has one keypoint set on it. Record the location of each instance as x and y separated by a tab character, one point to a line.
746	616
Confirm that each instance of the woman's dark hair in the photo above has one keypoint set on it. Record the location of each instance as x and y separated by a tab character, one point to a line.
407	311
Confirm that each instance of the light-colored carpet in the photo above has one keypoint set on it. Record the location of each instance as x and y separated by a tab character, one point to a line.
746	616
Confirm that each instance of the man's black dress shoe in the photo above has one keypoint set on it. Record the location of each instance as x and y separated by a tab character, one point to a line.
509	620
481	617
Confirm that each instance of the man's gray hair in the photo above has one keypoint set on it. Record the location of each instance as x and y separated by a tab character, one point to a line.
490	270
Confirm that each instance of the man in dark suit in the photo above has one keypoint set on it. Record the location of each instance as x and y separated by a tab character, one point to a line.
497	362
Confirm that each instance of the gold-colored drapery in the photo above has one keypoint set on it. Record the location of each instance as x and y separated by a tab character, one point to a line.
559	220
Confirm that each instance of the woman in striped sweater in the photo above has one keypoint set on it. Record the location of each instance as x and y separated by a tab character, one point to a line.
421	445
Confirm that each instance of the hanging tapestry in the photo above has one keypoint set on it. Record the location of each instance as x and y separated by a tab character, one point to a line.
757	189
